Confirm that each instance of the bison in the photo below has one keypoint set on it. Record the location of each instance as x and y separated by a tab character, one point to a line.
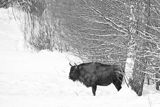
93	73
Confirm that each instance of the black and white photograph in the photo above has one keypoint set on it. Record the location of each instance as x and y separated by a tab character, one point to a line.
79	53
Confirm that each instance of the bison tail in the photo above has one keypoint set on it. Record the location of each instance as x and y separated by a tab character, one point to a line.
125	77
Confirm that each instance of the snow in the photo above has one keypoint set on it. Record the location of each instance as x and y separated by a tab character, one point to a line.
30	79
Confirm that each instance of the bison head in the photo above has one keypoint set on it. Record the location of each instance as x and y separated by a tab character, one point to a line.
74	72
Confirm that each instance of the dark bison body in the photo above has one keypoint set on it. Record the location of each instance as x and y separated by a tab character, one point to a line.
93	74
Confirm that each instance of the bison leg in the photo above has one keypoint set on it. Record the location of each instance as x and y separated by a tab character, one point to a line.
117	83
94	88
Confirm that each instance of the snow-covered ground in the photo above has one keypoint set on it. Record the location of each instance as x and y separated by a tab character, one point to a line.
30	79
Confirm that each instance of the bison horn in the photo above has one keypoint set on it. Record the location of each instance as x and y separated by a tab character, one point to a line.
75	64
70	64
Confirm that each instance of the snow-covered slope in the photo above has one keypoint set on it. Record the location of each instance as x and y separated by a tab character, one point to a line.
29	79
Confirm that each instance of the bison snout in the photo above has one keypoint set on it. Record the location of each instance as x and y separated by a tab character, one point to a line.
73	77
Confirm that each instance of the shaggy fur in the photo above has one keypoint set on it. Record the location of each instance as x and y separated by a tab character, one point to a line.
94	73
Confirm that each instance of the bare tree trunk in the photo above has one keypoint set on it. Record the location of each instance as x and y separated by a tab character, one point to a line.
137	79
148	80
137	83
157	83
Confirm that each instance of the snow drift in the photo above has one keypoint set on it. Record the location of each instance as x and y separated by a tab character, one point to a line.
30	79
